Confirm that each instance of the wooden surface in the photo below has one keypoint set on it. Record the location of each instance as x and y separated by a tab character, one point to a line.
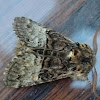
77	19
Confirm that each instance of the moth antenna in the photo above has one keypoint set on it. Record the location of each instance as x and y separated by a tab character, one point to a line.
95	83
95	49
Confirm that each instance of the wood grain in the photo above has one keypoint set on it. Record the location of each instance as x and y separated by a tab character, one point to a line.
77	19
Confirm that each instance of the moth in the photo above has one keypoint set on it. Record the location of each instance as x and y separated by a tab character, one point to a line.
43	55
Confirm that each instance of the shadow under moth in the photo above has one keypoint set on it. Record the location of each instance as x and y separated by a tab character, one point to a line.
43	55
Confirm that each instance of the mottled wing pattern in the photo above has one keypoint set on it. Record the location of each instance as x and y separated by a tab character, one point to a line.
38	55
30	32
55	54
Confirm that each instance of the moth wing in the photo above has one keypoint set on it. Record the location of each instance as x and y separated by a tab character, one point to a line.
34	34
52	69
24	68
27	70
57	41
30	32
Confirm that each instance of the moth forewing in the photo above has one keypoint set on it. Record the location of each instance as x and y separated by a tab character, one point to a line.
43	55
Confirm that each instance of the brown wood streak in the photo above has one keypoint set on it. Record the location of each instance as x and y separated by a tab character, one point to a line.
68	12
58	11
65	15
65	92
58	89
20	93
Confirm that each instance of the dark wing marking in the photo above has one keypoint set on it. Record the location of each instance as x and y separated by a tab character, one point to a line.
57	49
56	41
29	67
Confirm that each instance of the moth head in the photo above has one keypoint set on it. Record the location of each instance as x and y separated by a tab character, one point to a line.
81	61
